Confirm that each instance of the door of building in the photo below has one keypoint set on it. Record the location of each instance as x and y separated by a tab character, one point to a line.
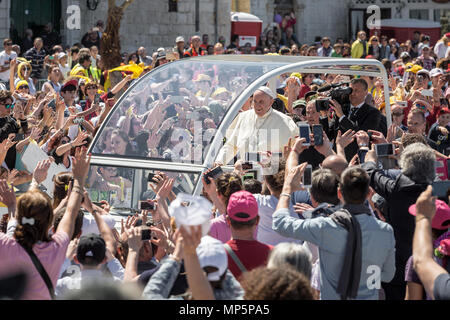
34	15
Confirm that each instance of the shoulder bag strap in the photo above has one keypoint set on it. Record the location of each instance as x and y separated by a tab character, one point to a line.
235	258
40	268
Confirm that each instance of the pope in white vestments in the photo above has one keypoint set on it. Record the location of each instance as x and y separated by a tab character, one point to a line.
260	129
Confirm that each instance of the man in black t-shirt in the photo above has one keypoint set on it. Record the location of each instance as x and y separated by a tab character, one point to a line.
439	131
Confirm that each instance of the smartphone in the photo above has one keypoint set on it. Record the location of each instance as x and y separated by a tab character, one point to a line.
214	173
177	99
146	205
18	137
52	104
448	168
146	234
252	156
97	98
441	188
362	155
427	93
305	132
249	175
384	149
150	177
98	204
318	134
247	166
307	176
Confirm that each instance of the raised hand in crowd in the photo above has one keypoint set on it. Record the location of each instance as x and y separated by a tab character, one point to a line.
40	172
8	197
199	285
377	137
127	225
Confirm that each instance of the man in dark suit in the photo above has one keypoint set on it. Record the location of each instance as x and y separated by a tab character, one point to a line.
361	115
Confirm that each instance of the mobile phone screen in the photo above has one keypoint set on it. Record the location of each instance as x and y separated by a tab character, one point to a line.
307	176
304	132
384	149
146	234
145	205
252	156
440	188
215	173
318	135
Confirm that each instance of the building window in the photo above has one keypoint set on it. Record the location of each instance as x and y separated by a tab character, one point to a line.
173	5
441	14
421	14
385	13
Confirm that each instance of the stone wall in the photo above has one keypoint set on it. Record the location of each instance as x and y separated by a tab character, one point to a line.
4	20
149	23
321	18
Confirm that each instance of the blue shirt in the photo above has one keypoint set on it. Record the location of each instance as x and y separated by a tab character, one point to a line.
378	250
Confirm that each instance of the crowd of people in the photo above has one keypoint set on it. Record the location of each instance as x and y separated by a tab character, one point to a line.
365	226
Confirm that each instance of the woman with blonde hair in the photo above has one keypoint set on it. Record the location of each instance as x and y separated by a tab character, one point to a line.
440	48
374	47
23	74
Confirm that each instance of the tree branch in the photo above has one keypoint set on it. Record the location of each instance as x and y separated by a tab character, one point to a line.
125	5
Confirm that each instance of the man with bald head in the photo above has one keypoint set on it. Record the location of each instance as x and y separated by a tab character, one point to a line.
335	163
259	129
143	57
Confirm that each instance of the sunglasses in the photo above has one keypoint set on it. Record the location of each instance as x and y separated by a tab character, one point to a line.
420	106
8	44
8	106
23	87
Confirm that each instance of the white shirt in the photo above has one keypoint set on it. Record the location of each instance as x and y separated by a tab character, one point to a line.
266	207
440	49
80	279
250	133
4	62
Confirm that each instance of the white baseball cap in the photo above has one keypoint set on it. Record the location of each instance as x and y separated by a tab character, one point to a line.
436	72
267	91
189	210
211	253
179	39
424	71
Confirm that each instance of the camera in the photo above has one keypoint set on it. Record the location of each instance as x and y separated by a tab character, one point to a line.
339	92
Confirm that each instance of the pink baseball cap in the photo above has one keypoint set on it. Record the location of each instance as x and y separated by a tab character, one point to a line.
242	206
441	220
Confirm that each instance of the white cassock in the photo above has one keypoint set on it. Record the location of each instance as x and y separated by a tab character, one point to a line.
250	133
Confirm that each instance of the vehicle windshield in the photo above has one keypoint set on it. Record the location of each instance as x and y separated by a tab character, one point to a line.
173	113
123	188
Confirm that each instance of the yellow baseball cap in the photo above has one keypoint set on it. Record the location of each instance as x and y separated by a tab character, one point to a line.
21	83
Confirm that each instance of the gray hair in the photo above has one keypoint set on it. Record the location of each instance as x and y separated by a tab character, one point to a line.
292	255
418	163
